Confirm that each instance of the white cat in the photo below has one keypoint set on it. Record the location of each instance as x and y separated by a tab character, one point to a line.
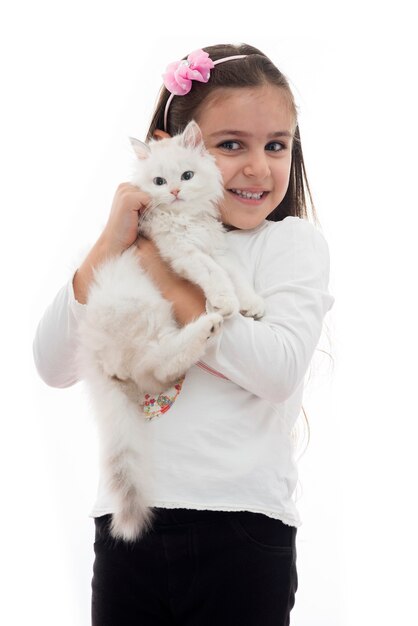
130	343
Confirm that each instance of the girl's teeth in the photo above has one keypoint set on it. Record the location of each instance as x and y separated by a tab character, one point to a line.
248	194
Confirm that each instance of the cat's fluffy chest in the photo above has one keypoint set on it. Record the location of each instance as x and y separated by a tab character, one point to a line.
201	231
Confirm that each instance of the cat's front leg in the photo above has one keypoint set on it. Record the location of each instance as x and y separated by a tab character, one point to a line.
177	352
202	270
250	303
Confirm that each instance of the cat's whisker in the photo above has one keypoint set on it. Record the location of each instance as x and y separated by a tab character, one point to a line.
143	215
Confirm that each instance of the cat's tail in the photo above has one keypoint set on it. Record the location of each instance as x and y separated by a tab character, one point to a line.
126	463
133	516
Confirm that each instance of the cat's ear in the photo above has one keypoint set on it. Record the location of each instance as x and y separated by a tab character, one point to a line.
141	149
192	136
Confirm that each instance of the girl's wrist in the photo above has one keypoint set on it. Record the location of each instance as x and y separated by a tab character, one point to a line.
107	247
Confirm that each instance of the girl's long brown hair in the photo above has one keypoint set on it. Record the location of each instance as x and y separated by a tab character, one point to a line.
254	70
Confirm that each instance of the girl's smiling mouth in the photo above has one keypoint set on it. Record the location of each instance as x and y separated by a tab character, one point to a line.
249	196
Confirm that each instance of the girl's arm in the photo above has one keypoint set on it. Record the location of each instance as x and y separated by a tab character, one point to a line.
188	299
119	234
270	357
55	342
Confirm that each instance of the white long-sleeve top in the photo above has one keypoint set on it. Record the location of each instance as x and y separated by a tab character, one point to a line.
225	443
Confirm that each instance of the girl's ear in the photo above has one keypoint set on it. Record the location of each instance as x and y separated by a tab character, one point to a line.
141	149
192	136
160	134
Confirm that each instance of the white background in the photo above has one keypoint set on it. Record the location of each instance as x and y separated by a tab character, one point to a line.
77	78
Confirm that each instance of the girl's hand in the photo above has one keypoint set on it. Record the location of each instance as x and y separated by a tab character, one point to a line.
121	230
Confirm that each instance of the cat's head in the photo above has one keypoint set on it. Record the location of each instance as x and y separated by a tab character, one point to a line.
178	172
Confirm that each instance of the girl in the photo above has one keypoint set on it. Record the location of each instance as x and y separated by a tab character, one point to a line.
222	548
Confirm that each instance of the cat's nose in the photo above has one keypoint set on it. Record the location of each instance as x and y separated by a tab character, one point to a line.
175	192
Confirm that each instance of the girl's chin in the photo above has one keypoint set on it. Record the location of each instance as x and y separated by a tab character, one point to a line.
244	218
242	224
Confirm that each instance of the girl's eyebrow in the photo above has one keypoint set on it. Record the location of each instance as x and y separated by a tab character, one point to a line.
240	133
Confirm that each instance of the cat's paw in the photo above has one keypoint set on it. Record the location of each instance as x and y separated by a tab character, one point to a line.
225	304
253	306
211	324
196	336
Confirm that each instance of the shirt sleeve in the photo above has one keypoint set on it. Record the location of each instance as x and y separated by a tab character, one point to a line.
55	342
270	357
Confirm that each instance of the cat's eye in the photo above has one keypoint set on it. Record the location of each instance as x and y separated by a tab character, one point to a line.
159	181
187	175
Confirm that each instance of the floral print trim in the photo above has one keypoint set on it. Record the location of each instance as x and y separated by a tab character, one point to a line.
156	405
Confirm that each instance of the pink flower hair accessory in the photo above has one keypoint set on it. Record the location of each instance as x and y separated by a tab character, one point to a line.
179	75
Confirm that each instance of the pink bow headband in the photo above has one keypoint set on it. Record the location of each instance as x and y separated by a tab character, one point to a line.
179	75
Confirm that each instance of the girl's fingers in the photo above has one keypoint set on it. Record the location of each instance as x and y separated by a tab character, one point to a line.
121	229
134	194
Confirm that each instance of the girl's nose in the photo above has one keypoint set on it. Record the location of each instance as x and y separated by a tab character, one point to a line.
257	166
175	192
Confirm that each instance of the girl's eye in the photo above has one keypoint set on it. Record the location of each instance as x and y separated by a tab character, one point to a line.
187	175
275	146
159	181
228	145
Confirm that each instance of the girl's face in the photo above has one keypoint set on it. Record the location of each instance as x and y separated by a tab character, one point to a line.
250	132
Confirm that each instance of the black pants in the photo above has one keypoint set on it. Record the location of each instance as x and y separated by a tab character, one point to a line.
196	568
